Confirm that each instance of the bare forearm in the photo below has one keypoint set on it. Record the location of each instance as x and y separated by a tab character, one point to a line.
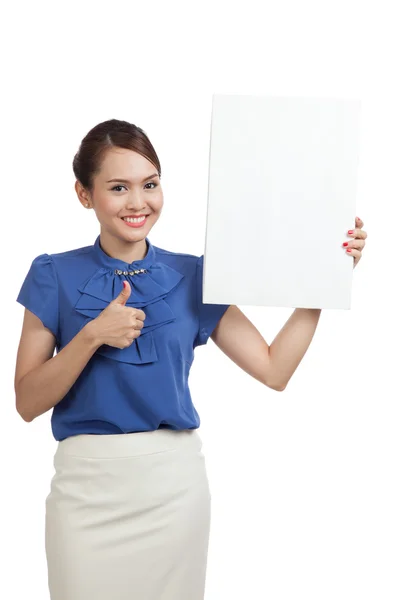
44	387
291	343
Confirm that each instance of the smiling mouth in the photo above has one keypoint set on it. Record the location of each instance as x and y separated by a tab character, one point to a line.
135	221
135	218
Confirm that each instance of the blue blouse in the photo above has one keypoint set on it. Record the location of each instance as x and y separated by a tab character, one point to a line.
142	387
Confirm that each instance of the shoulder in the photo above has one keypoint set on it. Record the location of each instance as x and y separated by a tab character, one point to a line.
71	254
181	261
72	260
182	256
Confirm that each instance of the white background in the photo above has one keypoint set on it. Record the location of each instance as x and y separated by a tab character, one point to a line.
305	483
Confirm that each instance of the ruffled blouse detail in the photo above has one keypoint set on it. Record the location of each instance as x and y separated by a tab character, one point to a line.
148	292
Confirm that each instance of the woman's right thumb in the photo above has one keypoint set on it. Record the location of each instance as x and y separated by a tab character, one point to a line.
124	294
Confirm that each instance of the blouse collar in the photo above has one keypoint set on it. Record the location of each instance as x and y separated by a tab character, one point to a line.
115	263
150	289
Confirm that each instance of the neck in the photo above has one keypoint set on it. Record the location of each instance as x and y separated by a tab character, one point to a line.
123	250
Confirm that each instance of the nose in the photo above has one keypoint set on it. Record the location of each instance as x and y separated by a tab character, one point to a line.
135	202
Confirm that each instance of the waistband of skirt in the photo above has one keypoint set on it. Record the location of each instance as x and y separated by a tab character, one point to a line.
118	445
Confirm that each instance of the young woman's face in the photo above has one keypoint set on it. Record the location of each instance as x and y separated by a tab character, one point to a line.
132	193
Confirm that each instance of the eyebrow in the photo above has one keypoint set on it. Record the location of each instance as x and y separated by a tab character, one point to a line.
128	181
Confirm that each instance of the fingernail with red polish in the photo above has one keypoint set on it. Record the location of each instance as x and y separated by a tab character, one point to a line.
351	231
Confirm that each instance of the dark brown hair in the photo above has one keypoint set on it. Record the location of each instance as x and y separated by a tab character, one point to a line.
113	133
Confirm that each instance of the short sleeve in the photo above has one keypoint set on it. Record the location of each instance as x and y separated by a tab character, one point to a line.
209	314
39	292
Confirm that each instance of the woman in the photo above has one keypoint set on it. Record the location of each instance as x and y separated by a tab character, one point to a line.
128	512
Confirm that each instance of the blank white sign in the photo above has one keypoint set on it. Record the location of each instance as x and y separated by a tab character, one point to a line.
281	197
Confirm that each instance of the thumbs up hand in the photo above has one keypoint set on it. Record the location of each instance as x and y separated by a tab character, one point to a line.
123	296
118	325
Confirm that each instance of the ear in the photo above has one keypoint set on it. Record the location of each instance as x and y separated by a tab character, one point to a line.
82	194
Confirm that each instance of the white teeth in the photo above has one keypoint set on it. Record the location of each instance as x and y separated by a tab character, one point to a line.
136	220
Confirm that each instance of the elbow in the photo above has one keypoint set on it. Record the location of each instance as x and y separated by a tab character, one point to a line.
28	418
25	417
271	378
276	388
279	388
20	405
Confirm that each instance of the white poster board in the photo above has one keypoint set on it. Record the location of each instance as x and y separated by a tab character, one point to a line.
281	197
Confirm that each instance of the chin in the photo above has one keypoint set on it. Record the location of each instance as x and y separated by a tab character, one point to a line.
137	233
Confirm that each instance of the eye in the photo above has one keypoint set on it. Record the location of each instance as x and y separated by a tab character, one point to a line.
149	183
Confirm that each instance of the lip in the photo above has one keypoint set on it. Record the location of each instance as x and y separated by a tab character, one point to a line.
133	216
136	225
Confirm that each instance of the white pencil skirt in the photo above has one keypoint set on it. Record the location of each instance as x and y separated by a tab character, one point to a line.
128	517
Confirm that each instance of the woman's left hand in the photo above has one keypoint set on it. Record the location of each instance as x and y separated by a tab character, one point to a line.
355	246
